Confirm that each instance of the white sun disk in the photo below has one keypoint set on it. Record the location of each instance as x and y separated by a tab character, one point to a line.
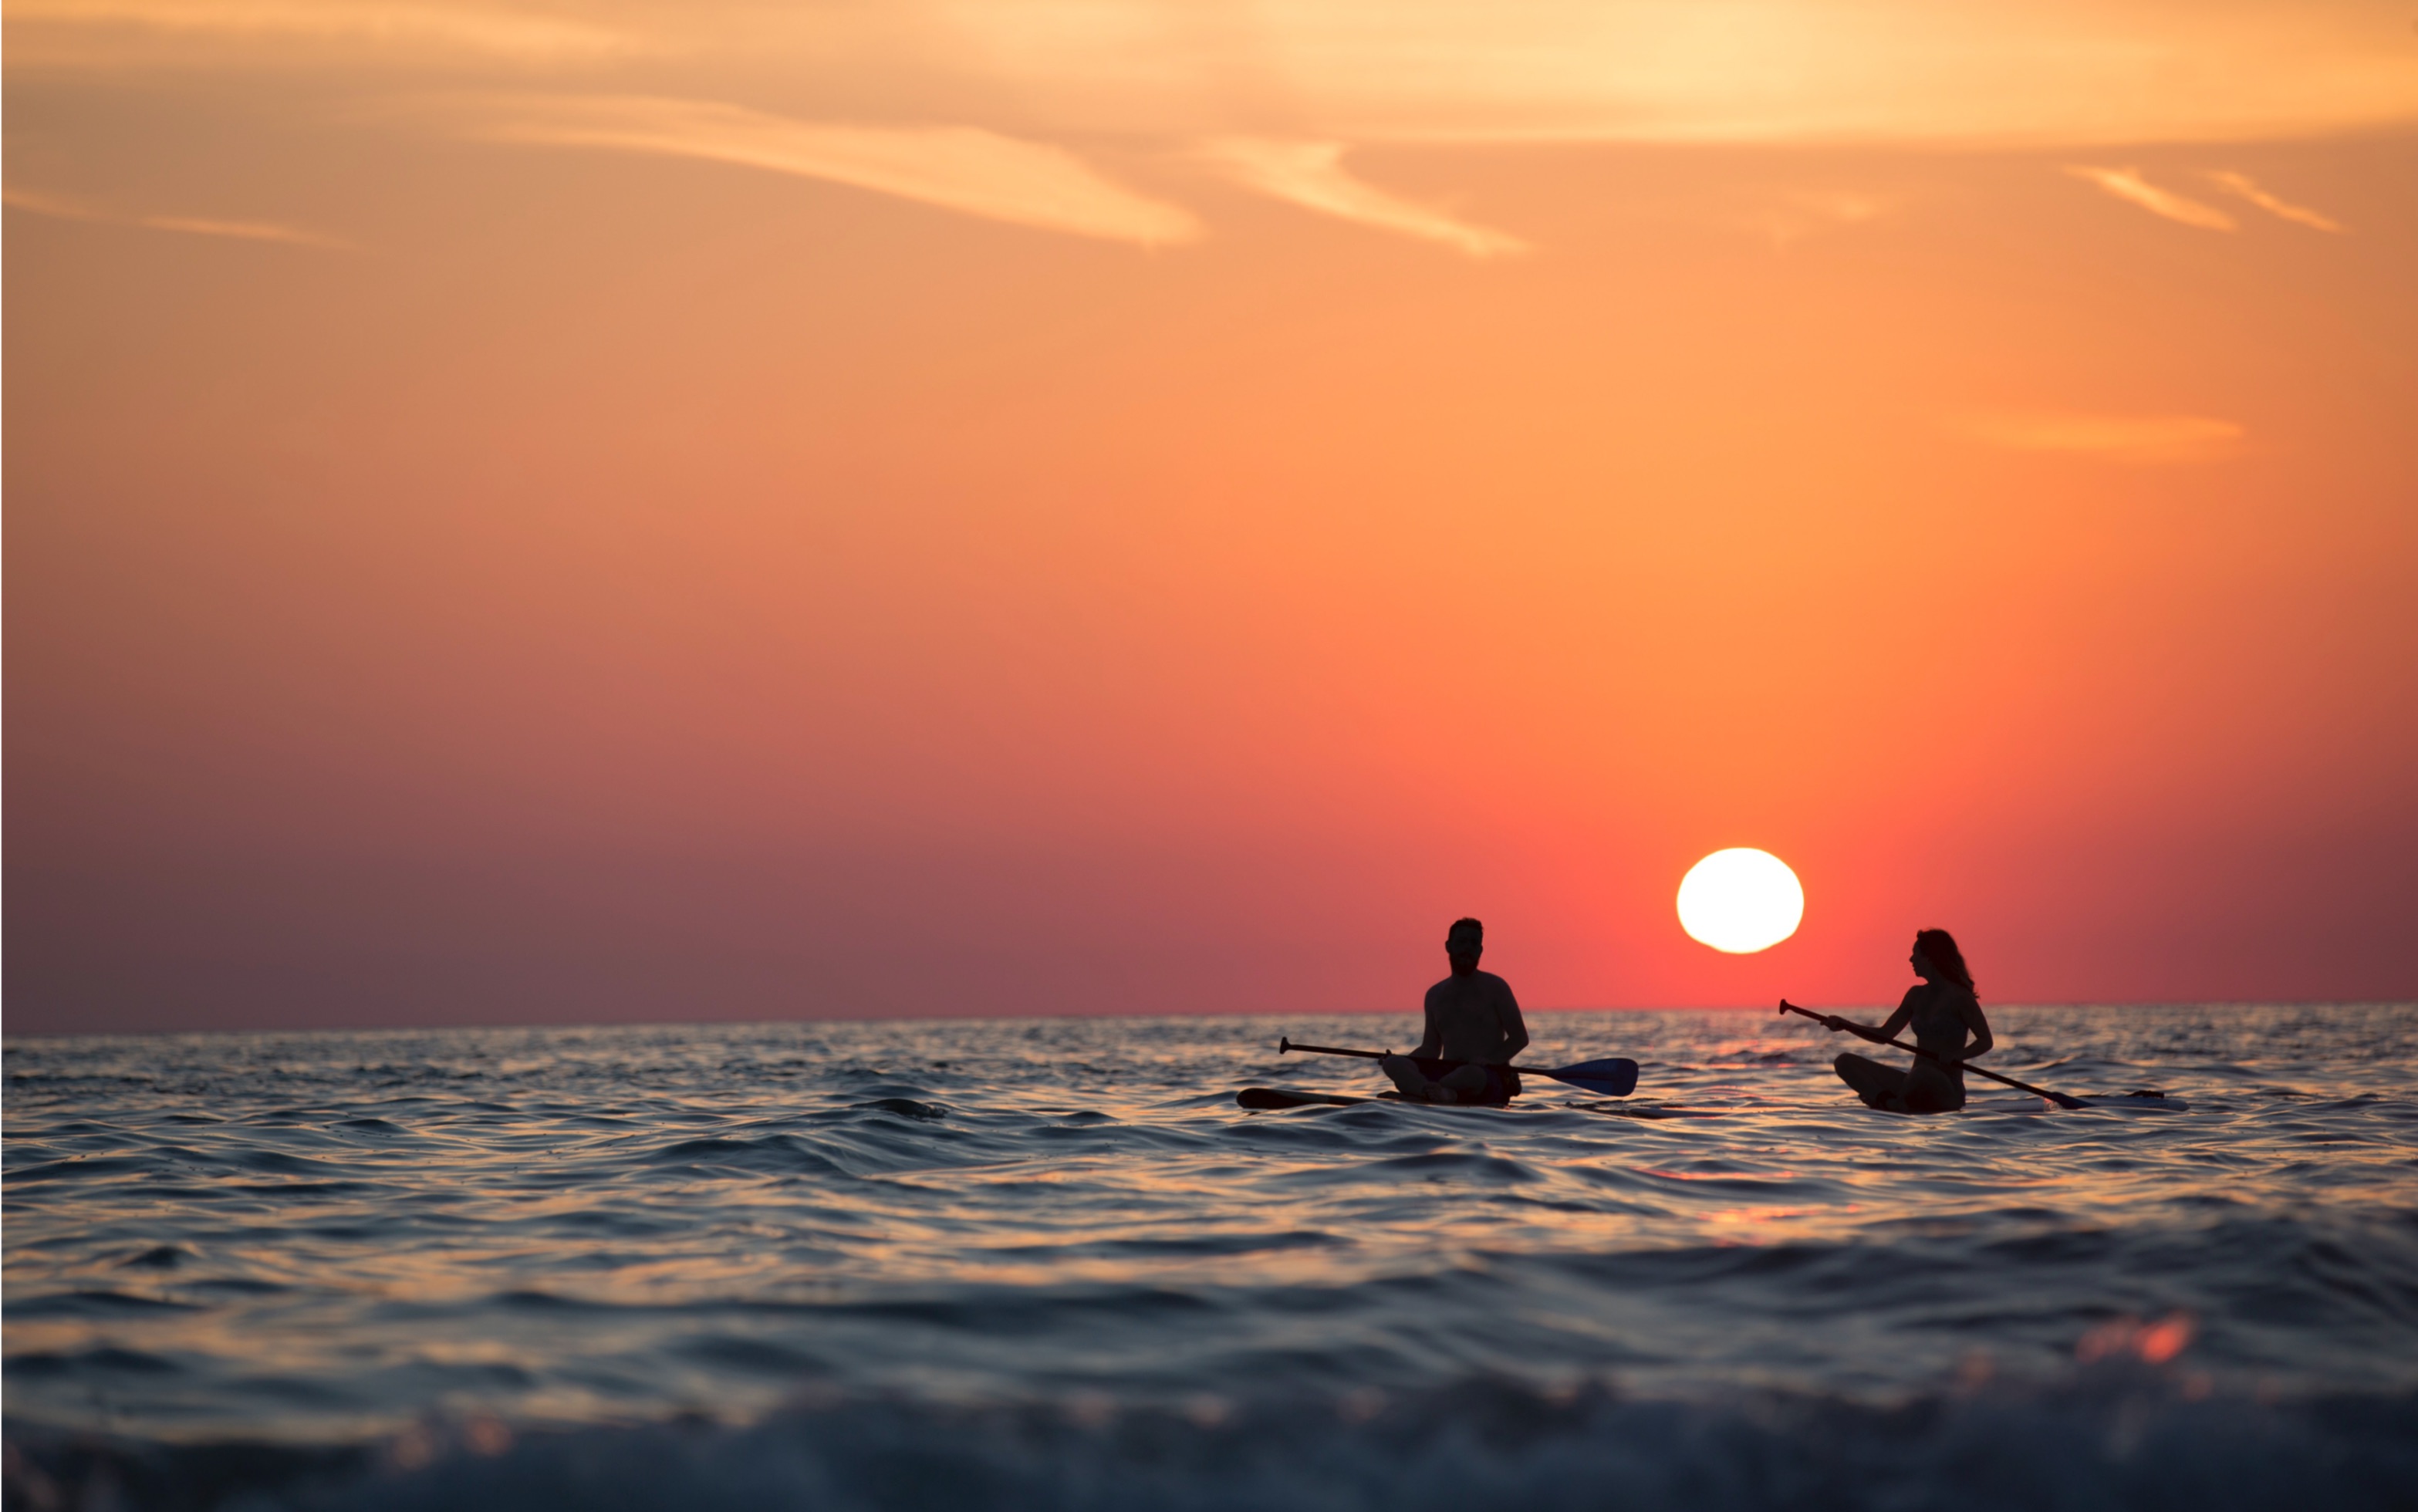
1740	900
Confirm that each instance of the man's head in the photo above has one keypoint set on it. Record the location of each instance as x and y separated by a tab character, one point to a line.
1463	943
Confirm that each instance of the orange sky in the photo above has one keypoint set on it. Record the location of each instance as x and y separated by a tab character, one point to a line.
645	512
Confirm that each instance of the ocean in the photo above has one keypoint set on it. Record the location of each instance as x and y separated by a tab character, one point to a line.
1050	1264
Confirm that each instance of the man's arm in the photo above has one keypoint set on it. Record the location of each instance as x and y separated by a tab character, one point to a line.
1430	1043
1515	1028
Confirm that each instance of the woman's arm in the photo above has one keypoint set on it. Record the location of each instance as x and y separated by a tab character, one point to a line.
1897	1020
1866	1031
1969	1008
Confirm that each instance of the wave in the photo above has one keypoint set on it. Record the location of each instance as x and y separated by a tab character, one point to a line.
2113	1437
518	1239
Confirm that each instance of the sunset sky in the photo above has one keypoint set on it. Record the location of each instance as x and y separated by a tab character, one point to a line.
585	513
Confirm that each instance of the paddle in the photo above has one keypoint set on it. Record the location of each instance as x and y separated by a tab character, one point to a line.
2060	1099
1612	1078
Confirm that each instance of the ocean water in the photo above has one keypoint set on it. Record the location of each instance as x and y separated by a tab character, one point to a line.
1050	1264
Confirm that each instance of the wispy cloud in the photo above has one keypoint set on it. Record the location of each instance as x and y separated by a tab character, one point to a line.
481	29
2041	73
2128	185
2036	72
2119	437
2246	188
1312	175
62	209
1790	216
954	167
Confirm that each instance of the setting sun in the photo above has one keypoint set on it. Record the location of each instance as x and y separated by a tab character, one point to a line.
1740	900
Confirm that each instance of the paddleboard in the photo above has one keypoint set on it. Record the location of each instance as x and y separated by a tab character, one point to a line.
1279	1097
1274	1097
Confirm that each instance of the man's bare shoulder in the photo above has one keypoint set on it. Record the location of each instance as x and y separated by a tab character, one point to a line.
1478	984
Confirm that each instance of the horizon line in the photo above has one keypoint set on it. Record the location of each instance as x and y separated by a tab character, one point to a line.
12	1036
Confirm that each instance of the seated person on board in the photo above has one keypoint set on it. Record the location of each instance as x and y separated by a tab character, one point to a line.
1941	1009
1472	1019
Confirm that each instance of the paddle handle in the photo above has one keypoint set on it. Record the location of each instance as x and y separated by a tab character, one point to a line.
2060	1099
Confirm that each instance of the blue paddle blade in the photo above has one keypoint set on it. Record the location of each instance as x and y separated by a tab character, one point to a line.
1608	1078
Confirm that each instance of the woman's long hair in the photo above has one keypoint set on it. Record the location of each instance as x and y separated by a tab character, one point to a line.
1939	947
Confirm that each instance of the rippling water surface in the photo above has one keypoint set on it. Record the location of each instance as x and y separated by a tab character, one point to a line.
1050	1263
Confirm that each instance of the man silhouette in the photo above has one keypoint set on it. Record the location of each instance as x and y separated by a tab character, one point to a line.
1473	1029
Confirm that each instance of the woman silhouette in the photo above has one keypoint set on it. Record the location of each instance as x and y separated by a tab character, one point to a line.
1940	1011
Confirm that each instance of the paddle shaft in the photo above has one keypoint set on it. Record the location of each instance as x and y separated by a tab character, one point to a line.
1284	1045
2060	1099
1613	1077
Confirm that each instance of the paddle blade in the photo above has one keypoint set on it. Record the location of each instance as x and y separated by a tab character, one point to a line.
1265	1097
1607	1079
2156	1100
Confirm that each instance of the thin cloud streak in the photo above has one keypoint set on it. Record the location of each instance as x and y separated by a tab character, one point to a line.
2128	185
2243	185
956	168
2118	438
1791	217
483	30
2036	73
2071	74
1312	175
60	208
